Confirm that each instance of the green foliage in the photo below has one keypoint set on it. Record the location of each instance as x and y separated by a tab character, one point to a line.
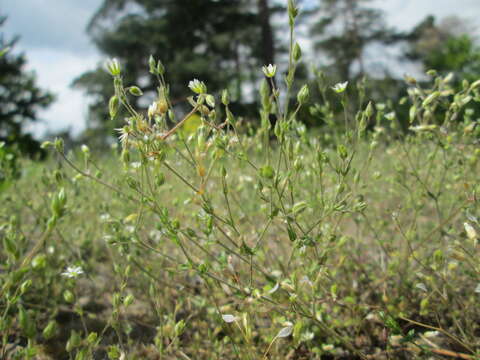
343	31
215	40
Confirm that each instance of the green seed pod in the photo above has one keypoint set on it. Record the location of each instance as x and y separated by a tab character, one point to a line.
50	330
25	286
68	296
303	95
125	156
152	65
210	99
135	91
430	98
297	52
129	299
113	106
225	97
74	341
160	179
160	68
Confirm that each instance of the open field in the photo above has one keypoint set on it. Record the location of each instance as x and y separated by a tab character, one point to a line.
364	249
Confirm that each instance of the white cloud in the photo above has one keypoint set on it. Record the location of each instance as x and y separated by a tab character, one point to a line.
55	71
405	14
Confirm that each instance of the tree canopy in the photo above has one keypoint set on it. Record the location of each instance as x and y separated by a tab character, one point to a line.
20	98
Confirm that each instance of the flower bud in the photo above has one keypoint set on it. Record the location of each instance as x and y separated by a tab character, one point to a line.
303	95
113	67
197	86
269	70
210	100
152	65
297	52
225	97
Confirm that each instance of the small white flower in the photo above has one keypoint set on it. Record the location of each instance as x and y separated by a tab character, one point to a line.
152	110
85	149
228	318
340	87
269	70
390	116
125	133
113	67
197	86
72	272
105	217
136	164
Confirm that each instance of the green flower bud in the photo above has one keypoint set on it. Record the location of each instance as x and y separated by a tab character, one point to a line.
152	65
160	68
303	95
225	97
210	100
297	52
59	145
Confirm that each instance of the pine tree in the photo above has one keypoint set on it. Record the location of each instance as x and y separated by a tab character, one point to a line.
344	30
219	42
20	98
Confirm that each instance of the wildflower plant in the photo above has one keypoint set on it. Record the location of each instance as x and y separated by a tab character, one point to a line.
278	243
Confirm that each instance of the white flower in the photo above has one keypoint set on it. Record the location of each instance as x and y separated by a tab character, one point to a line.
269	70
152	110
197	86
228	318
390	116
105	217
113	67
340	87
125	133
72	272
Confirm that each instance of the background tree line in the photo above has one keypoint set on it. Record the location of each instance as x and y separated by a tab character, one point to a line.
225	43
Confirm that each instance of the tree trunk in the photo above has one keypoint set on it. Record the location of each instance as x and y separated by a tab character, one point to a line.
268	48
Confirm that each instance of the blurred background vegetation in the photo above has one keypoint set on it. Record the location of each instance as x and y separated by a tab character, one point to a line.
225	43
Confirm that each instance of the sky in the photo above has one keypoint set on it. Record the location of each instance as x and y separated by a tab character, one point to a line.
53	38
